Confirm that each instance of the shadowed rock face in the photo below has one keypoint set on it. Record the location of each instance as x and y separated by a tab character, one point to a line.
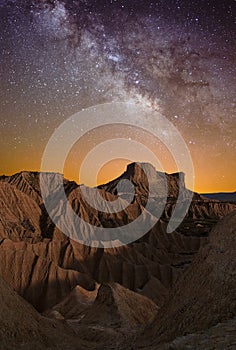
205	294
221	336
21	326
34	276
43	265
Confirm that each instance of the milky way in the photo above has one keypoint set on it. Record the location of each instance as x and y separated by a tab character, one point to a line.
58	57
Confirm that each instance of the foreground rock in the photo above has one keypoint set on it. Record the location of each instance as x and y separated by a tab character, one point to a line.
205	294
21	327
221	336
116	307
74	305
116	315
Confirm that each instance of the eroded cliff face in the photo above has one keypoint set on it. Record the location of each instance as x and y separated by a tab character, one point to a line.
145	178
43	265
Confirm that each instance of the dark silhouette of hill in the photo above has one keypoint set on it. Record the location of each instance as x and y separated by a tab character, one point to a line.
222	196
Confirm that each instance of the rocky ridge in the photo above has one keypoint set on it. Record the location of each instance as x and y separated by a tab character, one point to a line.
57	264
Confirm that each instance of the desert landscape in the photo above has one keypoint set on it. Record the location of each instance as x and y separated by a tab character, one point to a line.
117	175
163	291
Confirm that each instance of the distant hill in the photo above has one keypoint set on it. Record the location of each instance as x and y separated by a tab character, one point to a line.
222	196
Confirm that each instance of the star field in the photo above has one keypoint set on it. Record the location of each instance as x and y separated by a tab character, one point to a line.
178	57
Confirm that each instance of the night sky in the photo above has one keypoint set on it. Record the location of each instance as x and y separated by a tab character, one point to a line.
178	57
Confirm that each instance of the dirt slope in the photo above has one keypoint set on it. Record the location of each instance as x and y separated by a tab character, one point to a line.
21	327
205	293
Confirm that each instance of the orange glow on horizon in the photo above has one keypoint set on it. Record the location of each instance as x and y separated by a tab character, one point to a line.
203	183
213	172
